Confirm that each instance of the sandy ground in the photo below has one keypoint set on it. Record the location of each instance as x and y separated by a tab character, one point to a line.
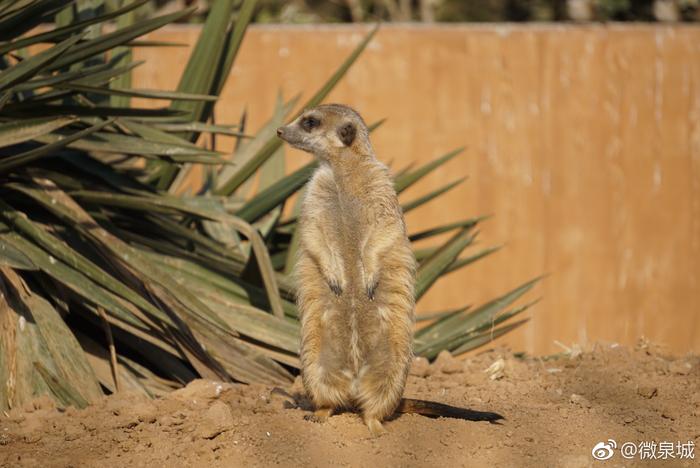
556	411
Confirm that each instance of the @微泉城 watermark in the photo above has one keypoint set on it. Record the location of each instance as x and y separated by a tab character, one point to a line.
647	450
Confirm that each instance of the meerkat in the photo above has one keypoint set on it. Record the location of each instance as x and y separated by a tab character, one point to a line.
355	274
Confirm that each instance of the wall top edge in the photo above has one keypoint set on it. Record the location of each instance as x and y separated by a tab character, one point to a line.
497	27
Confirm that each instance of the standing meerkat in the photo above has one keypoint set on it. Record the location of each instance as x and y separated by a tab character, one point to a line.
355	271
355	275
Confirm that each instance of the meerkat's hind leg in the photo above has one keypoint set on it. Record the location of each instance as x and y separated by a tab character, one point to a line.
320	415
380	390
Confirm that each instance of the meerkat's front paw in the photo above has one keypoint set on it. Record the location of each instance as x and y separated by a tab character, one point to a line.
370	280
335	286
371	288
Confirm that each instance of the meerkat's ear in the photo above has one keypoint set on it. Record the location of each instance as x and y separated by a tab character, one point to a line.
347	133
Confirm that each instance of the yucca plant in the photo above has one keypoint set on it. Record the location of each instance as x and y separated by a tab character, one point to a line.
110	277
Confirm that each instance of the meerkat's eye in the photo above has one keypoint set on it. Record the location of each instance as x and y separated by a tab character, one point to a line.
309	123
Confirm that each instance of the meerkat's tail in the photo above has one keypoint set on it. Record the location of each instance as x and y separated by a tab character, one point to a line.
433	409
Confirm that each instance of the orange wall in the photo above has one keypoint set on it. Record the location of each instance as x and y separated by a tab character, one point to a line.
584	142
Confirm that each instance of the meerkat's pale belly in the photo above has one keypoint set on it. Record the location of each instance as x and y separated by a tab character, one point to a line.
359	324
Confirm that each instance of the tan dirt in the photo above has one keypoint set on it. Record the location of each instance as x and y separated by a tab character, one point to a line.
556	410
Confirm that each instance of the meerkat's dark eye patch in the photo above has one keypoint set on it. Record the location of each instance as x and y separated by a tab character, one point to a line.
309	123
347	133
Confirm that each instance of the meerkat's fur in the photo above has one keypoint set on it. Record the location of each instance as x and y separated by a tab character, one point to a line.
355	271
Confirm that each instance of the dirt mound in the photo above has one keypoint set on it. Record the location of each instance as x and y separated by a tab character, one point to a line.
556	411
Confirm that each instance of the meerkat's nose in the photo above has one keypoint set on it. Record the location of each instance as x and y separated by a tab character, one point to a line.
279	132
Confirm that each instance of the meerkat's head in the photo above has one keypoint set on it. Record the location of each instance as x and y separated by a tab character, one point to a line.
327	130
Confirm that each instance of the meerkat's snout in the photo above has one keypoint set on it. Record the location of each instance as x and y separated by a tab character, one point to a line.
291	135
280	133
